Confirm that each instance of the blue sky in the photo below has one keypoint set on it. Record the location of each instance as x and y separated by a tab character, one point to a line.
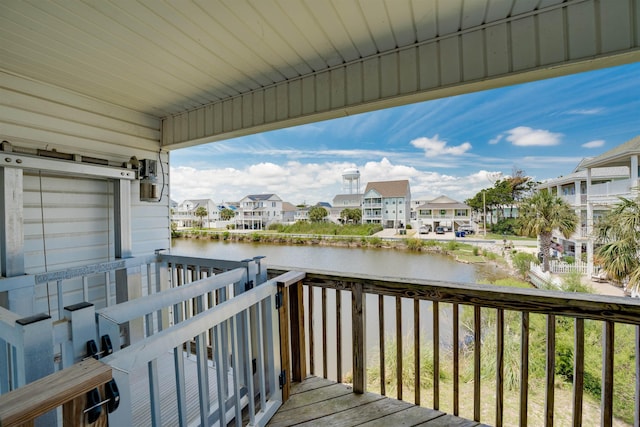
452	146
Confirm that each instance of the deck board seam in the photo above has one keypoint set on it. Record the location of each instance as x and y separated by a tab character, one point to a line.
336	412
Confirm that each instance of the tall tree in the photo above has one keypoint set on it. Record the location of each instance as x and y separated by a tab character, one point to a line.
317	213
226	214
543	212
619	233
201	212
354	215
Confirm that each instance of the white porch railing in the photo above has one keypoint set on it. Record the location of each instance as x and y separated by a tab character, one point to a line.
561	267
176	289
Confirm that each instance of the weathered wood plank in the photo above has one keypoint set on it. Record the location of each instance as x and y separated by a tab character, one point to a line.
383	380
436	355
499	366
312	397
477	335
524	369
43	395
339	335
358	336
597	307
608	336
399	347
416	351
456	360
362	413
283	317
578	372
448	421
298	339
309	383
411	416
550	370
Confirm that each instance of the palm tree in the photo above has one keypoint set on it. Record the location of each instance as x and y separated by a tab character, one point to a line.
542	213
619	233
201	212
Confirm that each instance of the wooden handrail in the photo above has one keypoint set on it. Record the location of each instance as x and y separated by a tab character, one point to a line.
610	311
26	403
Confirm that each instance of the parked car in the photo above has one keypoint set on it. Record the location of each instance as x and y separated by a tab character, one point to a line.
467	229
424	229
439	230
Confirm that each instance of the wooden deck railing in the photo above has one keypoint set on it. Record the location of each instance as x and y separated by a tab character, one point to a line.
375	301
67	388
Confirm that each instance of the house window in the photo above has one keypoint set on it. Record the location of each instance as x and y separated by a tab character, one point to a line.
461	212
273	204
400	211
443	211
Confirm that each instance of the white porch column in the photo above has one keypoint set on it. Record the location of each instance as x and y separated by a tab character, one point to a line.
589	225
20	301
634	175
576	186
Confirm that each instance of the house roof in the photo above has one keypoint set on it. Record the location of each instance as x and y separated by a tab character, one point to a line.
389	188
256	197
339	198
288	207
443	202
618	156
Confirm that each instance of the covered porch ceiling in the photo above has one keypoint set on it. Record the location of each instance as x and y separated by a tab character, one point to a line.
213	69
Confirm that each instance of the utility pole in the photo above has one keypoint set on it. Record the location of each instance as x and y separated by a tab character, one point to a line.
484	215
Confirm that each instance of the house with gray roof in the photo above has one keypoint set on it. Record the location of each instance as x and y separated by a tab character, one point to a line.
387	203
257	211
184	214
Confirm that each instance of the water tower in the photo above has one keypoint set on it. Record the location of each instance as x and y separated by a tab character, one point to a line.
351	180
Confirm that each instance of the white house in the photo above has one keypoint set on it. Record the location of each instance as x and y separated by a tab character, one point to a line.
257	211
344	201
592	189
184	214
387	203
444	212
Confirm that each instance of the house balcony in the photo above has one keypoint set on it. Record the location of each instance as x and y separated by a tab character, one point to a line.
372	205
213	334
613	189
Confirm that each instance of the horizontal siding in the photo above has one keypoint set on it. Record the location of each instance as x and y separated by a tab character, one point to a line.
78	212
558	39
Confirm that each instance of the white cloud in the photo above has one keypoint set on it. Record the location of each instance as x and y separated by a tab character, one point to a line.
435	147
586	111
524	136
495	140
594	144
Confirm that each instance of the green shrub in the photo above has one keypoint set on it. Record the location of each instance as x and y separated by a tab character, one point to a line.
569	260
505	226
413	244
522	261
225	235
409	227
452	245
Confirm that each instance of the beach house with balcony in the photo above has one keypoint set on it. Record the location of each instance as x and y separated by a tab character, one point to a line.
184	214
387	203
257	211
592	188
444	212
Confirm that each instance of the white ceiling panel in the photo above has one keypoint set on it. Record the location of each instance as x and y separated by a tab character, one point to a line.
167	57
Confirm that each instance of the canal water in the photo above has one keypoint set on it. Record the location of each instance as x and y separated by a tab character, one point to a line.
390	263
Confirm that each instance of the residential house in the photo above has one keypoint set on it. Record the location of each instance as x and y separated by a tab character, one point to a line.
288	212
257	211
342	202
387	203
444	212
593	187
184	214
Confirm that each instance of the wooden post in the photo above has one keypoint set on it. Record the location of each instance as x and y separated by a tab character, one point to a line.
298	339
283	313
358	331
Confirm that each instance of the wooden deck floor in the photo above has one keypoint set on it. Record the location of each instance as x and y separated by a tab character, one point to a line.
320	402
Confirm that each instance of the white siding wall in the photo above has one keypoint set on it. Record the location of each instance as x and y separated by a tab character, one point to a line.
78	211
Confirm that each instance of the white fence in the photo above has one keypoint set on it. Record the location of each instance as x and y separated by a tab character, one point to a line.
562	267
